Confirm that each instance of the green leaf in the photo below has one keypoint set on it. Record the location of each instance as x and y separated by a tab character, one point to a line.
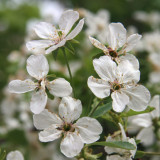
50	96
98	55
115	144
68	50
55	53
74	41
139	154
69	45
102	110
133	113
51	75
138	141
2	154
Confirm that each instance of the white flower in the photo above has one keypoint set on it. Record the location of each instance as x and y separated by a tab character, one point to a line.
15	155
119	81
115	157
97	24
85	130
37	67
118	44
151	18
55	38
125	154
146	135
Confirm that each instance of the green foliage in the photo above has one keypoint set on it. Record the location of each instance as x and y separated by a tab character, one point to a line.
17	137
50	96
133	113
115	144
102	110
2	154
55	53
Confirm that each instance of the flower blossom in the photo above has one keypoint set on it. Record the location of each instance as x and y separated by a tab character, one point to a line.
118	44
119	81
75	134
97	24
55	38
15	155
122	154
146	134
37	67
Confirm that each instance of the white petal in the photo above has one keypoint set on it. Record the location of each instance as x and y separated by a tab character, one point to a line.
105	68
132	40
71	144
70	109
18	86
154	77
133	152
45	30
146	135
139	97
50	134
99	87
37	66
142	120
155	102
46	119
98	44
39	44
120	100
126	73
114	157
131	58
59	87
15	155
89	129
117	35
54	47
38	101
124	137
67	20
76	30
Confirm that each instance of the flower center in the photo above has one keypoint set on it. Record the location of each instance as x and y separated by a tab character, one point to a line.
100	27
60	33
116	86
112	53
68	128
41	84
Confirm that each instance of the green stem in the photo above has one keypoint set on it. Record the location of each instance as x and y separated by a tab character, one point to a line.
93	109
152	153
69	70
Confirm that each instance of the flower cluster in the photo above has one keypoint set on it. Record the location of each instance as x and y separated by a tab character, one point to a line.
119	71
119	74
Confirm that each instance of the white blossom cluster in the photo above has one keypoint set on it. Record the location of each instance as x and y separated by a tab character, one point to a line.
118	72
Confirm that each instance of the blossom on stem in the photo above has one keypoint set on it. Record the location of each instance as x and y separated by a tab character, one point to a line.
122	153
146	134
37	67
15	155
119	81
55	38
118	44
75	134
